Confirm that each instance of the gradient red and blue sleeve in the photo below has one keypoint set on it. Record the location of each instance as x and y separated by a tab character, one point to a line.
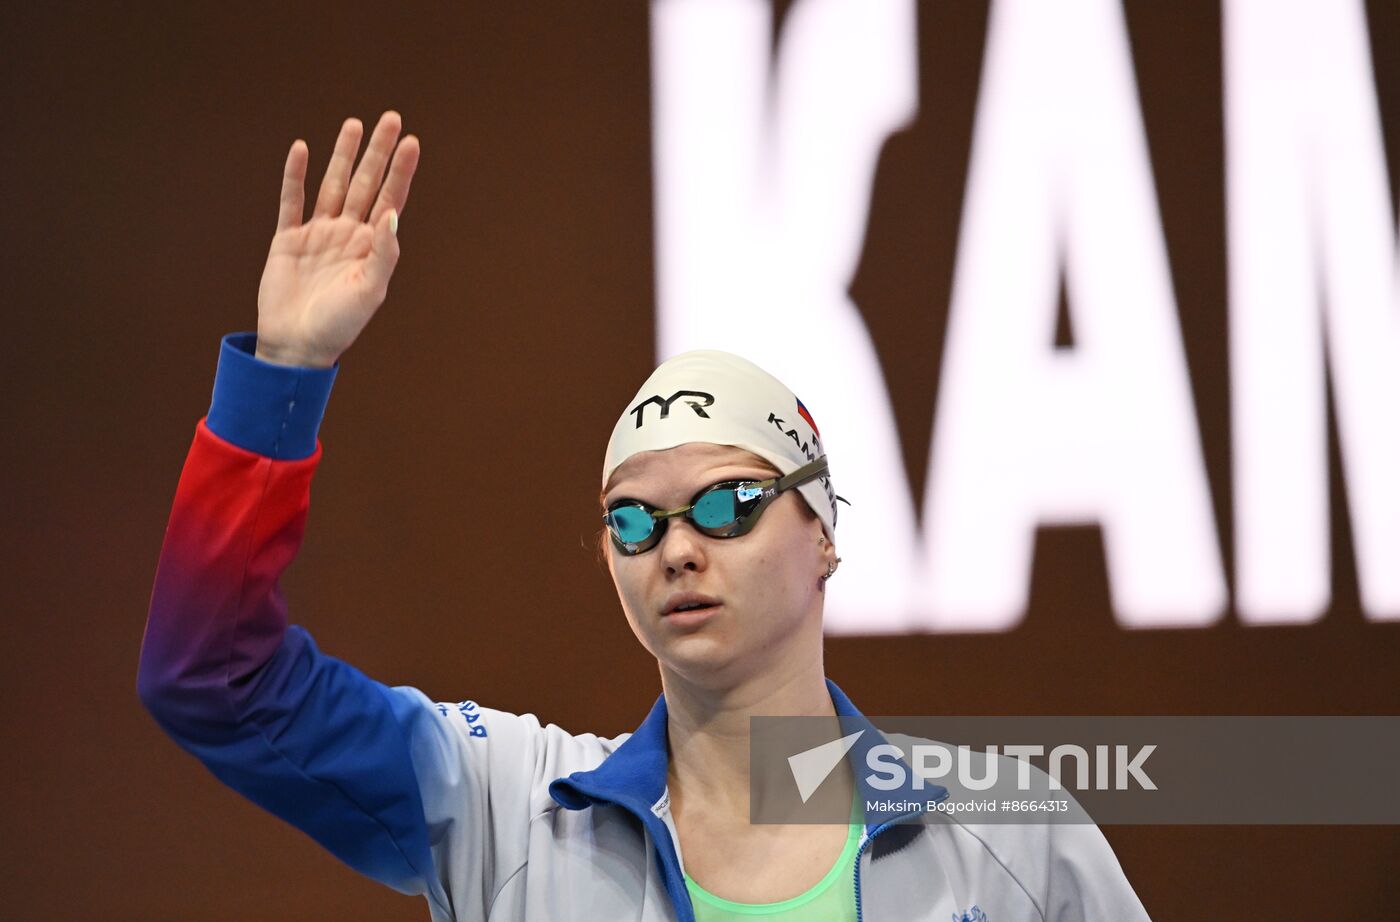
303	734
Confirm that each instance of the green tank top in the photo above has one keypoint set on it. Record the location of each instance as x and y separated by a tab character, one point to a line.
831	899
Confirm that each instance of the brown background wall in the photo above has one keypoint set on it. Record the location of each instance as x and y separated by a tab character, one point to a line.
449	540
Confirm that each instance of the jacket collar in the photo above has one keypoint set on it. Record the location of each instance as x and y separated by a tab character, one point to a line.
634	776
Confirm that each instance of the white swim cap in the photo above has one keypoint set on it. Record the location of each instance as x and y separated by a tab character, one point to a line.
716	397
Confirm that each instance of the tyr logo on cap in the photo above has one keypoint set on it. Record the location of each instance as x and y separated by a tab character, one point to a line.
665	404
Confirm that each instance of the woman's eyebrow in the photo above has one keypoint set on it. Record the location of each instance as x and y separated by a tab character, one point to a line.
746	473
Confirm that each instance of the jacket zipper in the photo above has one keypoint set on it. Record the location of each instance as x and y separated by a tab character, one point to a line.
861	851
860	910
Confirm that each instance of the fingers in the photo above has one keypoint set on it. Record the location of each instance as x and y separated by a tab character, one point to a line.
394	194
290	207
332	195
370	172
340	193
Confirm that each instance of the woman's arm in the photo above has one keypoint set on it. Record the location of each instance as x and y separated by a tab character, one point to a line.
302	734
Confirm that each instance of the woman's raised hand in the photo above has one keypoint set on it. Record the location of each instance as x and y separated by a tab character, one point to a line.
325	278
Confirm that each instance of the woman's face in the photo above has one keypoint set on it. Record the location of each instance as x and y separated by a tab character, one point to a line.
764	585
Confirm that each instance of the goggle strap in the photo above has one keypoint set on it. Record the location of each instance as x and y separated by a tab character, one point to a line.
806	472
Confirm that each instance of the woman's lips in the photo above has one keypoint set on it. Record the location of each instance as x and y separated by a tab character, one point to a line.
691	617
687	599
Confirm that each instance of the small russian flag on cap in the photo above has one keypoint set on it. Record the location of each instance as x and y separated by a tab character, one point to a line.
802	410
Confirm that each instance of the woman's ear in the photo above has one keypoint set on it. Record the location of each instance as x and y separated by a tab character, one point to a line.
829	562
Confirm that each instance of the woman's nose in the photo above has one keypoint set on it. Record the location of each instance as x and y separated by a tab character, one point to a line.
682	547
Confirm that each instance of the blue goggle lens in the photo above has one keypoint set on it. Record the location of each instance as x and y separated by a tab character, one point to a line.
715	509
631	524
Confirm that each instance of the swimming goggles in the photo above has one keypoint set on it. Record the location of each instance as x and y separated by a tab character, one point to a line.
723	510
